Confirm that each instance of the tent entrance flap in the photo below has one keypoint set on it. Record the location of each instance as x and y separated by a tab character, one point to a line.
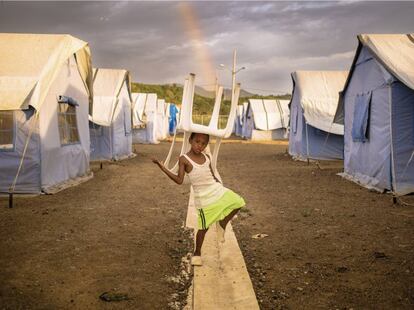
360	125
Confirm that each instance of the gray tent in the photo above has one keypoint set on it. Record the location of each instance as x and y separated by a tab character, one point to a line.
313	135
45	87
111	123
377	109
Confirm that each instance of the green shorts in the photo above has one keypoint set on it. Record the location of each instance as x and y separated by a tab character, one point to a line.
219	210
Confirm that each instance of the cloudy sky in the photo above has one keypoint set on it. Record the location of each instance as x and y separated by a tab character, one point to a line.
161	42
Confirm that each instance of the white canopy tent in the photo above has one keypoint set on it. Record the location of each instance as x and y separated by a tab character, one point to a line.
313	134
266	119
45	94
145	119
111	122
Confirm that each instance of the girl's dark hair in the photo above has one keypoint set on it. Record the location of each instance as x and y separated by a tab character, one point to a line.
194	133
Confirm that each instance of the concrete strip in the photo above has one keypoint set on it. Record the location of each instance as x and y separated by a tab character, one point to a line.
223	281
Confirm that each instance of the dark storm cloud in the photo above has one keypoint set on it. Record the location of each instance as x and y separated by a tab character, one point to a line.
272	38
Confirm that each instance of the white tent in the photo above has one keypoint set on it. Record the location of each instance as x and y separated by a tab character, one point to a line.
45	92
111	123
144	111
266	119
313	135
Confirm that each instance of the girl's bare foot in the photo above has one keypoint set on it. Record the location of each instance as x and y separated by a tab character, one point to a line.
196	260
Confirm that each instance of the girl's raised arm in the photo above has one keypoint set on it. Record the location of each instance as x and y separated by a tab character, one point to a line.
177	178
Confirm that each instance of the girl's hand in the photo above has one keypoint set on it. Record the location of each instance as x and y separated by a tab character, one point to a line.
157	162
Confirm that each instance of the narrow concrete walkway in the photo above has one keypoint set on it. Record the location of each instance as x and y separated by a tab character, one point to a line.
223	281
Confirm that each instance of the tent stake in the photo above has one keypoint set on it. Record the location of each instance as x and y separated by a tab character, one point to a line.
10	200
394	199
101	166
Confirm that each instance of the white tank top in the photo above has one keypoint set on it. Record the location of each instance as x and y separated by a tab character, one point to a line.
206	189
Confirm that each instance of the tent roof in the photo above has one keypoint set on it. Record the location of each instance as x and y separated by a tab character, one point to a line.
108	82
144	100
318	93
138	105
395	52
29	63
267	115
107	85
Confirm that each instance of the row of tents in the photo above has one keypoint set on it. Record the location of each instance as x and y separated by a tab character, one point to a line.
364	116
57	113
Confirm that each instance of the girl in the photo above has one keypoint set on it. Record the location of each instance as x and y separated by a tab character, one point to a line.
214	202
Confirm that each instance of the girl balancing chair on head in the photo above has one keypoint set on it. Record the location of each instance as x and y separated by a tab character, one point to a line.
214	202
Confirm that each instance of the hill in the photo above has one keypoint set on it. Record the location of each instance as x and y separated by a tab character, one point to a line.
227	93
203	99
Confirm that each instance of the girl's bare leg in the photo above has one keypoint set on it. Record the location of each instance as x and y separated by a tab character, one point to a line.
199	241
223	222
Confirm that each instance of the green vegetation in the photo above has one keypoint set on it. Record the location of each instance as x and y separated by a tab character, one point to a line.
173	93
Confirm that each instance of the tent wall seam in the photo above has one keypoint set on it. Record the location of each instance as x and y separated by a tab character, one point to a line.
394	180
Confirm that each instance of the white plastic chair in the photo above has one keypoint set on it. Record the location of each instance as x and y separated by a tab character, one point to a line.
187	126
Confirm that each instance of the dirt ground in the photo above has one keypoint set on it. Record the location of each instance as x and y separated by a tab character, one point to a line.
121	232
331	244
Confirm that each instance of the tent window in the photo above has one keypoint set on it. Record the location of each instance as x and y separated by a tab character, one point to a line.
6	130
360	124
68	128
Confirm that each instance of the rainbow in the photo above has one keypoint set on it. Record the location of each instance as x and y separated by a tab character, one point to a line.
201	51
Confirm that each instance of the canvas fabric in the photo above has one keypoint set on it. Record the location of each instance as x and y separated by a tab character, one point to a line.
145	118
111	122
394	52
30	63
49	165
265	115
138	106
307	142
383	65
29	180
369	161
319	95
